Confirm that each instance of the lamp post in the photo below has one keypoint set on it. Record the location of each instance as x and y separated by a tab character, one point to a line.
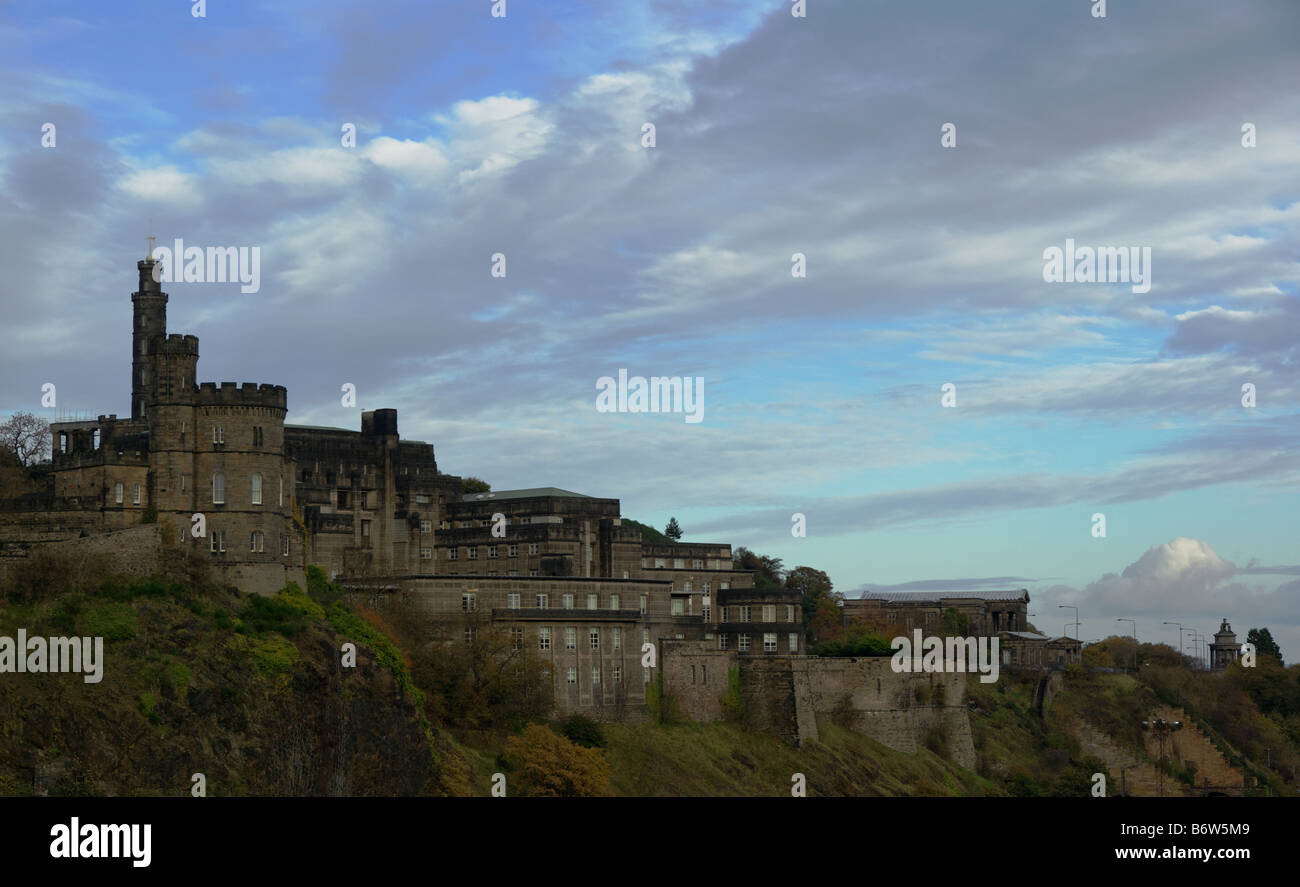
1162	729
1075	623
1180	635
1135	640
1190	631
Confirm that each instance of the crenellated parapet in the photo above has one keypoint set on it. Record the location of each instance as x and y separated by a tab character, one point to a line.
249	394
178	345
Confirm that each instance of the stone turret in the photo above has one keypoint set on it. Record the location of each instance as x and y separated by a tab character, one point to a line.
149	327
1225	648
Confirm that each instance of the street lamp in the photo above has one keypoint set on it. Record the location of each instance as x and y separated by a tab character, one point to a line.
1180	635
1075	623
1162	729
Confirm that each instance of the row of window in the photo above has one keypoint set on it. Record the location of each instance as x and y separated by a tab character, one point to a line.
769	642
744	613
472	551
571	638
219	489
661	563
256	541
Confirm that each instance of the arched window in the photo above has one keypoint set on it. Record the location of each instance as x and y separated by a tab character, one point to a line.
218	489
94	439
257	489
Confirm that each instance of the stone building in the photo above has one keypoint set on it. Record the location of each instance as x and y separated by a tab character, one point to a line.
559	568
1225	649
989	612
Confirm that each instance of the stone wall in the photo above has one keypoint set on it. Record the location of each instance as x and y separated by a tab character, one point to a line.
138	551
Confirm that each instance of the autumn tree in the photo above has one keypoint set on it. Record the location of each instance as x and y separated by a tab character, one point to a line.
822	614
26	436
768	571
544	764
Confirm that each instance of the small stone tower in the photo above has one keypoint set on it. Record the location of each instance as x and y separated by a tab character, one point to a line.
149	326
1225	648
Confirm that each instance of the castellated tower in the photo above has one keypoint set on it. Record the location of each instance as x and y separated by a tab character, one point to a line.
149	326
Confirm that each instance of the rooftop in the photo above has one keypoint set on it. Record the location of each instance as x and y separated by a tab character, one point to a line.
914	597
531	493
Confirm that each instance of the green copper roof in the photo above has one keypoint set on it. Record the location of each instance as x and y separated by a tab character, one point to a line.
531	493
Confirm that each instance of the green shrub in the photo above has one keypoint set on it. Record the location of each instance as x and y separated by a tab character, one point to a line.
733	700
263	614
111	621
583	730
272	654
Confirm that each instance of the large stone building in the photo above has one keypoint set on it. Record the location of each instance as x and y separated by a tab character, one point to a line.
218	470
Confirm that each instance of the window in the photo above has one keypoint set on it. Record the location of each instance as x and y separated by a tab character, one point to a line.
421	499
544	638
117	493
452	553
744	612
618	638
469	602
513	573
532	548
697	565
426	554
255	541
659	562
218	435
257	436
678	609
365	529
593	602
345	499
257	489
280	496
532	572
284	545
769	642
618	674
679	563
893	616
514	550
645	636
724	613
686	586
183	478
789	613
516	637
543	601
723	586
573	675
473	553
492	551
742	643
707	587
218	540
794	641
570	639
595	674
613	602
595	639
566	601
365	499
426	526
722	641
218	489
769	612
512	600
135	494
643	603
469	634
707	609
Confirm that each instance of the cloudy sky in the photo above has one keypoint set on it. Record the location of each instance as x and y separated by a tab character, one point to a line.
774	135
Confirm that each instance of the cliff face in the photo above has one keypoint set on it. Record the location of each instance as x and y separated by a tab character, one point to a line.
188	689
